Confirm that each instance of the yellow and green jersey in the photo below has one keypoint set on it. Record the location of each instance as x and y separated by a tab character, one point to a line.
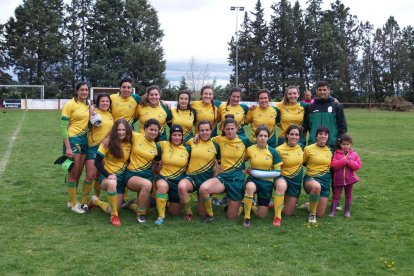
184	118
317	160
206	112
97	133
263	116
203	157
174	160
292	160
289	115
77	114
112	164
143	152
124	108
239	112
232	152
160	113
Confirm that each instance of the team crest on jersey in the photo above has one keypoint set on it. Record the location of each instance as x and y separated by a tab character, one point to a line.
152	151
210	150
130	106
330	109
183	155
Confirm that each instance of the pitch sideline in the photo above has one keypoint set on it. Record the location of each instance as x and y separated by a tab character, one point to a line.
6	156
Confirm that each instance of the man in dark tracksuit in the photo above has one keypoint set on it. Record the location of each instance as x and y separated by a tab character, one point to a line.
325	111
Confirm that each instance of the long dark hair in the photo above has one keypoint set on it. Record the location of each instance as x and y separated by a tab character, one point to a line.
226	122
114	144
291	127
344	138
78	86
188	93
208	86
233	90
144	100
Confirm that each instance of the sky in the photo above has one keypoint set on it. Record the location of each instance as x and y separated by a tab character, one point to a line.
202	28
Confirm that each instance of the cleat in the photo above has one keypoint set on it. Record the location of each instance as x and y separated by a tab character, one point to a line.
69	205
115	221
141	219
305	206
223	201
208	219
312	219
271	205
188	217
85	207
246	223
216	202
91	202
77	209
159	221
126	205
277	222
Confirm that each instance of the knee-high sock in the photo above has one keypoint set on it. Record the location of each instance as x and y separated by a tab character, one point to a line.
278	204
112	198
86	190
313	203
97	187
187	207
103	205
248	202
161	200
208	206
72	193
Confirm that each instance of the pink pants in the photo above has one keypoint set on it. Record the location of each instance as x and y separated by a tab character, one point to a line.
337	190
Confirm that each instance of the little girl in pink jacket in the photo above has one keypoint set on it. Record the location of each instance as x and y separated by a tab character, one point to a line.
344	163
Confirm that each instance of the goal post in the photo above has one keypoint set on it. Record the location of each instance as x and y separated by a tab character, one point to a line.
40	87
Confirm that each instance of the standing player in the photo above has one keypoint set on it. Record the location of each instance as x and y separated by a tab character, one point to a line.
206	108
184	115
74	126
124	104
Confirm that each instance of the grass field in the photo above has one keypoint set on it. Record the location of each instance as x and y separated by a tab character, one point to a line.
39	235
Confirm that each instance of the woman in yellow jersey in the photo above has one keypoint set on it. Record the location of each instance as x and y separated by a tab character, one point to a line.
152	108
289	112
317	179
263	114
206	108
139	175
74	126
200	168
230	178
97	132
174	160
289	182
264	158
234	107
183	115
111	162
124	103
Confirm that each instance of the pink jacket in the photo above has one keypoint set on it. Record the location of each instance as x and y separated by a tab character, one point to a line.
344	167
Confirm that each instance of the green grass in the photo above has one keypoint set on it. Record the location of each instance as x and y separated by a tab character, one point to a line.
39	235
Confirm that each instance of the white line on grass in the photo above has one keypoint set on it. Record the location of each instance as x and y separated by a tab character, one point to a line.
6	155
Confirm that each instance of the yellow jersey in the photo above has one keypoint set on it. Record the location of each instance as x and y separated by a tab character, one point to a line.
232	152
184	118
239	112
203	157
292	159
77	113
97	133
317	159
143	152
288	115
174	160
206	112
160	113
262	116
112	164
124	108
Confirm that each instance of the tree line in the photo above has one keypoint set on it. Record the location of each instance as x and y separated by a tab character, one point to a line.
57	45
300	46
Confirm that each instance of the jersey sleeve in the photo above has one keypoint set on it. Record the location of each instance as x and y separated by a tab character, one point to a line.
245	141
136	97
277	160
159	152
218	155
245	108
249	117
217	103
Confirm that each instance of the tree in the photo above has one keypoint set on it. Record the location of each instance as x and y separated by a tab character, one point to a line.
5	78
35	43
407	57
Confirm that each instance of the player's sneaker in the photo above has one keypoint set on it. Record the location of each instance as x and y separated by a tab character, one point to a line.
304	206
277	222
141	219
312	218
216	202
159	221
77	209
126	205
208	219
91	202
85	207
223	201
246	223
115	221
188	217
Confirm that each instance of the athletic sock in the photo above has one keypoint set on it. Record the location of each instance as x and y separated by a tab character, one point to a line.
112	203
97	188
313	203
248	202
134	208
141	211
86	190
208	206
278	204
72	193
187	207
161	200
102	204
126	194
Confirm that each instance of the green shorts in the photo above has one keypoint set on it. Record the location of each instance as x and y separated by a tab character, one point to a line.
79	144
264	190
147	174
324	180
294	184
198	179
120	182
173	188
91	152
234	184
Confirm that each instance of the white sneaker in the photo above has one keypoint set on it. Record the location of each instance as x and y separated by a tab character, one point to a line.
78	209
305	206
312	218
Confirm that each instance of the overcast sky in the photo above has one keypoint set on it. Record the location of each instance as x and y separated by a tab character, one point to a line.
202	28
